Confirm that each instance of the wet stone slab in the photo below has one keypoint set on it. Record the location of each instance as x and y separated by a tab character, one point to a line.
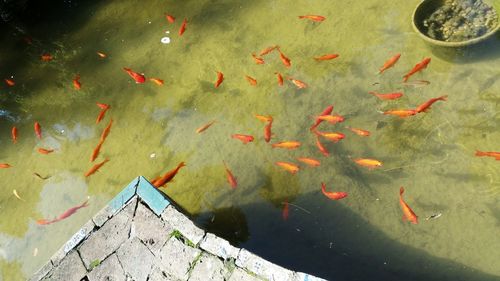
109	269
70	268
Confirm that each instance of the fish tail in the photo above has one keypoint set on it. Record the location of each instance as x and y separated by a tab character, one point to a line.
445	97
405	78
480	153
401	190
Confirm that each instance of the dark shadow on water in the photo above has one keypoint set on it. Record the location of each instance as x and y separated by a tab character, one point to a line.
487	50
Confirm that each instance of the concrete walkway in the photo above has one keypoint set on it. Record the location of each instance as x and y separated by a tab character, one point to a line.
140	236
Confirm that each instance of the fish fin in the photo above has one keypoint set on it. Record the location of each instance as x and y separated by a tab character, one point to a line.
401	190
404	218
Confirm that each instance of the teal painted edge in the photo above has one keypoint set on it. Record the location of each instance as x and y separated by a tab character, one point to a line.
124	196
154	198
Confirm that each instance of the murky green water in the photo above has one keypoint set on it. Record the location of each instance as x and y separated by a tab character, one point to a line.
361	237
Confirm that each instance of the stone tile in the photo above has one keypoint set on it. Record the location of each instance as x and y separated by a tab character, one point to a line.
153	197
42	272
151	229
300	276
107	239
79	236
262	268
241	275
157	275
219	247
136	259
70	268
208	268
176	258
102	216
182	223
124	196
110	269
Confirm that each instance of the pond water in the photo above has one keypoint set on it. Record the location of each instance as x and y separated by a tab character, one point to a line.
361	237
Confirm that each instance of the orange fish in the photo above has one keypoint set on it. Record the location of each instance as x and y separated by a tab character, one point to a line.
168	176
327	111
264	118
280	78
299	84
401	112
369	163
258	60
332	119
290	167
285	211
335	137
95	153
389	63
106	130
170	18
321	148
95	168
4	166
408	213
103	105
204	127
183	27
101	115
46	57
494	154
359	132
251	80
332	195
138	78
268	50
313	18
426	105
230	178
10	82
286	144
157	81
388	96
327	57
38	130
284	59
14	134
419	66
267	131
45	151
71	211
153	181
76	82
101	55
244	138
220	78
309	161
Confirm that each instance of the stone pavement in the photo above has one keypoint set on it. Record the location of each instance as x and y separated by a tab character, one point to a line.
140	236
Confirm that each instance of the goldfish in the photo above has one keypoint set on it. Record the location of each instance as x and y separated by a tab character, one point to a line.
309	161
335	137
280	78
268	50
138	78
101	55
258	60
369	163
244	138
251	80
10	82
401	112
17	195
333	195
359	132
426	105
286	144
332	119
204	127
313	18
106	130
327	57
264	118
46	57
14	134
72	210
170	18
95	152
321	148
183	27
153	181
286	61
389	63
38	130
388	96
494	154
290	167
45	151
285	211
230	178
299	84
408	213
419	66
327	111
4	165
44	221
104	108
220	78
95	168
103	105
157	81
76	82
267	131
168	176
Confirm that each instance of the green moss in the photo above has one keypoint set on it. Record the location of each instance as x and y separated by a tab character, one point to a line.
94	264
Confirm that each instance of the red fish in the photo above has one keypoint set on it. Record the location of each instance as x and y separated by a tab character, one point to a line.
494	154
183	27
101	55
426	105
290	167
10	82
286	144
388	96
389	63
204	127
286	61
335	137
359	132
95	168
258	60
327	111
264	118
251	80
230	178
333	195
170	18
157	81
106	130
369	163
103	105
46	57
220	78
4	166
168	176
285	211
401	112
332	119
419	66
95	152
14	134
309	161
299	84
280	78
327	57
76	82
38	130
268	50
267	131
321	148
313	18
408	213
102	114
244	138
138	78
45	151
71	211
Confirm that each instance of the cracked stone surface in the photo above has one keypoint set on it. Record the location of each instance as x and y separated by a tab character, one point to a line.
110	269
70	268
182	223
219	247
157	275
208	268
136	259
241	275
262	267
148	227
176	258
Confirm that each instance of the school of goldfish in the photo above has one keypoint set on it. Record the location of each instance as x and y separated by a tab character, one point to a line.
325	116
